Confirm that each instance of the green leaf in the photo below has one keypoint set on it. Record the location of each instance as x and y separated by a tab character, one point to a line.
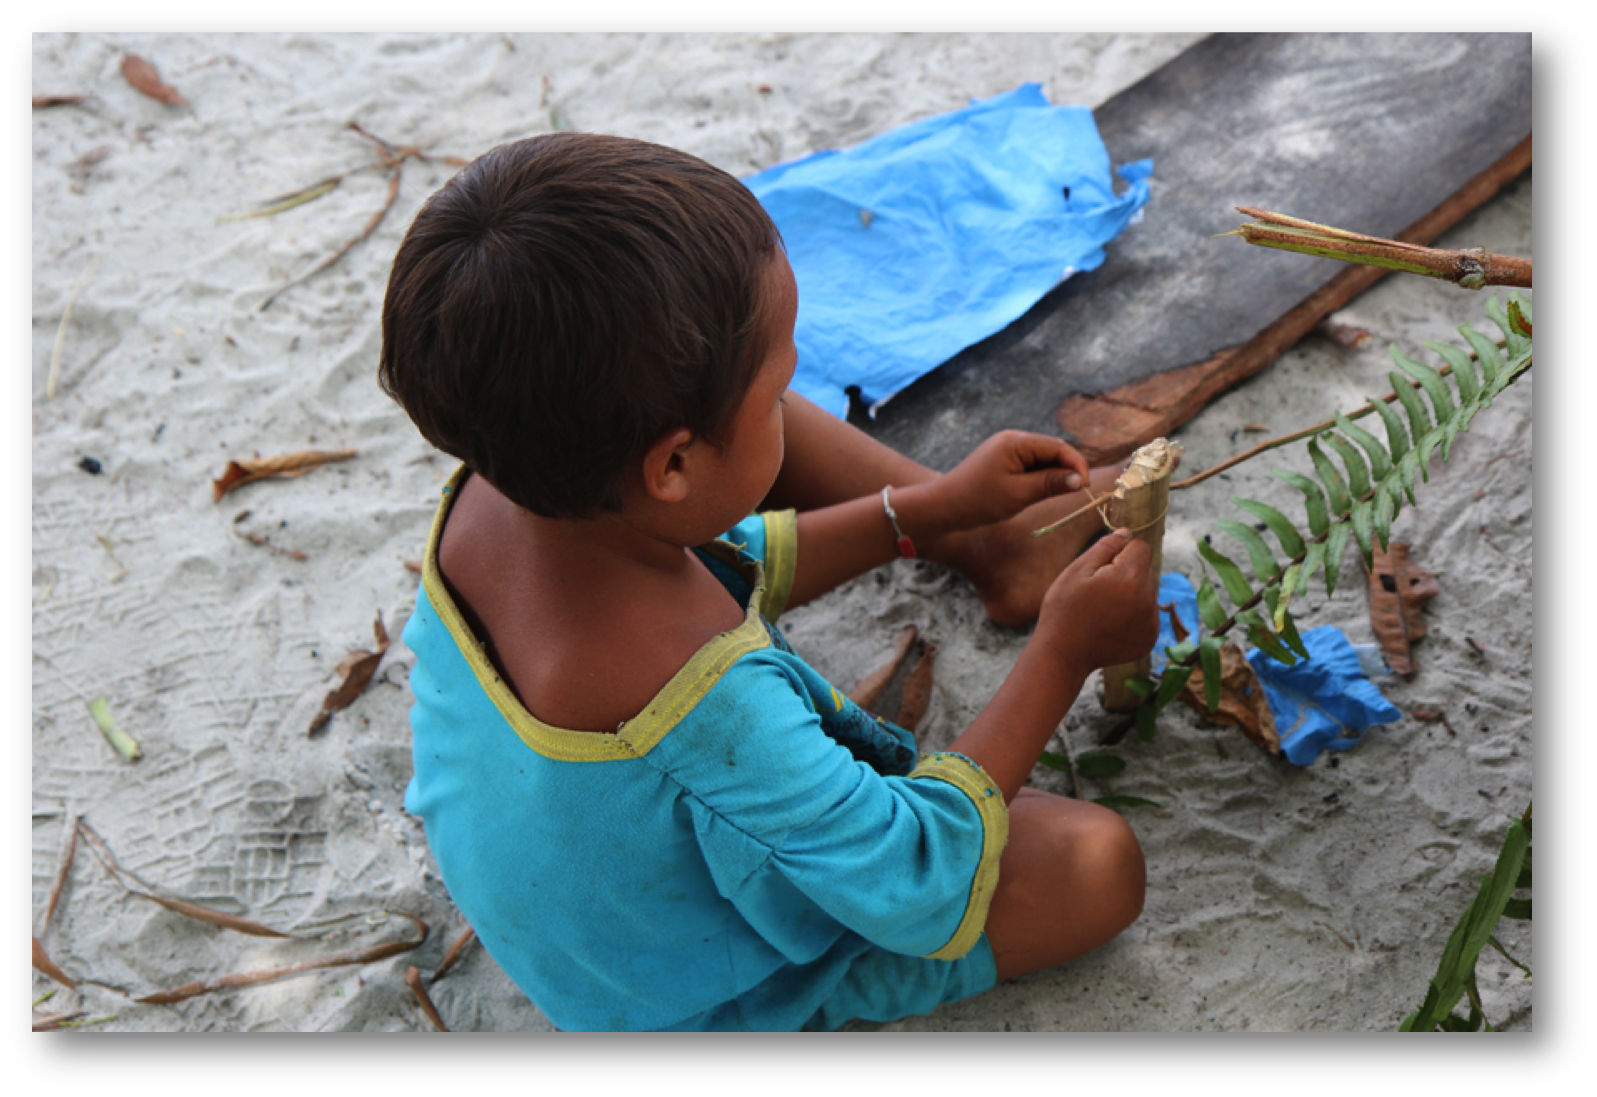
1050	760
1147	717
1335	486
1384	510
1456	970
1280	525
1264	638
1313	499
1513	336
1428	445
1432	382
1289	585
1210	612
1486	353
1141	685
1518	909
1170	683
1180	653
1406	468
1335	544
1358	479
1259	554
1395	432
1498	945
1209	657
1419	419
1363	527
1463	368
1231	577
1313	561
1100	765
1118	802
1380	463
1288	630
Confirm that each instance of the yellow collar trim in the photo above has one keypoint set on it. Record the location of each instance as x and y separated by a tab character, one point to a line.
636	736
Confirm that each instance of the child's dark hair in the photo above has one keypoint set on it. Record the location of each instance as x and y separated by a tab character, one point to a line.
565	301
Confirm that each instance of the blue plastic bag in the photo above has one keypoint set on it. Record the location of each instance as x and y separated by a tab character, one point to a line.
1322	703
928	238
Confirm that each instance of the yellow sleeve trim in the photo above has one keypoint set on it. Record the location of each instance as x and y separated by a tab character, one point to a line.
635	737
973	781
781	556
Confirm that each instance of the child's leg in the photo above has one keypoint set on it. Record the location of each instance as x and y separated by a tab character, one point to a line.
830	461
1071	879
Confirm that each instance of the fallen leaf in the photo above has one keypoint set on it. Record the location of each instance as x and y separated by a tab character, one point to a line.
356	670
40	101
871	687
1242	700
239	473
917	696
1399	589
142	75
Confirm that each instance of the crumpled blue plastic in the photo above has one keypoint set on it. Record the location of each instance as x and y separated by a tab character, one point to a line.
930	237
1322	703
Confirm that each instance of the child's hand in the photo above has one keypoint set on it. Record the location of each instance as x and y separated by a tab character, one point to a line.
1008	473
1103	609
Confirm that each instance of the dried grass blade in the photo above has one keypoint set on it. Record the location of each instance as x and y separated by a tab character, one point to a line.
253	978
187	909
288	201
67	858
456	951
371	227
124	744
48	968
413	981
40	101
61	329
55	1020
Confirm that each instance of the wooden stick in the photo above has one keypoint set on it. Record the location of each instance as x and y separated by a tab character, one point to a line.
1139	502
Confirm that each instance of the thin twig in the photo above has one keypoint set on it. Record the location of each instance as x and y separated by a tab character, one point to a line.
61	330
455	952
413	981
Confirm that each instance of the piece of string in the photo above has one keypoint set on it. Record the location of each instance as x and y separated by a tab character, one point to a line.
1097	504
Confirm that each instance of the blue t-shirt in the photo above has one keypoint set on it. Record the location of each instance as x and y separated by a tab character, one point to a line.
720	859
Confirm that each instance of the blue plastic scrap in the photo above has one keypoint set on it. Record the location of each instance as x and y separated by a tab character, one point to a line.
1322	703
926	239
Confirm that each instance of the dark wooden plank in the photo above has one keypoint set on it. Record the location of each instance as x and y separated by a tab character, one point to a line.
1368	132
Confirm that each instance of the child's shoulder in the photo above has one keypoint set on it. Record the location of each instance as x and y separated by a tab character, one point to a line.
584	645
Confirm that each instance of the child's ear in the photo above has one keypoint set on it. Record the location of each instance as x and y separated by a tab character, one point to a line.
665	466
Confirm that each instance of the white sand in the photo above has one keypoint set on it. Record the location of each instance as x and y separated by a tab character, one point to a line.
1279	898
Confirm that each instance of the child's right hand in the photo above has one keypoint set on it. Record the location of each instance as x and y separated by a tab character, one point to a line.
1103	609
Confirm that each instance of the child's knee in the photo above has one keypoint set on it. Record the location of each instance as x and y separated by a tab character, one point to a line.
1110	859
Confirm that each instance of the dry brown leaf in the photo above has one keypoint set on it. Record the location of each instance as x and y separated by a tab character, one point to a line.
1399	589
41	101
142	75
251	978
298	463
917	697
356	670
871	687
1242	700
413	981
455	952
47	967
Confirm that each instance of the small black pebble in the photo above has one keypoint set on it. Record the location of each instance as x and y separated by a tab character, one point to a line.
90	466
1335	761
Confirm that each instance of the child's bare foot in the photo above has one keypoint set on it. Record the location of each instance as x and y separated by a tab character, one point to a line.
1012	570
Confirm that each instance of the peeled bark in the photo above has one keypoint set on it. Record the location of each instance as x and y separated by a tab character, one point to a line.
1138	503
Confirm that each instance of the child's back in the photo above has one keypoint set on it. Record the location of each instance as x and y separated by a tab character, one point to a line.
653	812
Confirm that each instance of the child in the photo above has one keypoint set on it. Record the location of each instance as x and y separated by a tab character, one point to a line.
655	814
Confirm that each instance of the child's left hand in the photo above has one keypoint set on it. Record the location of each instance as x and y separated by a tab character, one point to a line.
1008	473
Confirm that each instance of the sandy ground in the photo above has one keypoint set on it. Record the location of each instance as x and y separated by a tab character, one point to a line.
1279	898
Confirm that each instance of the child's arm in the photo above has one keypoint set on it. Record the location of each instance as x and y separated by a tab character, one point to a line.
1002	477
1101	611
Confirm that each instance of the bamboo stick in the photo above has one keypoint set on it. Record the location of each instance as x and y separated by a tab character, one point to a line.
1138	503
